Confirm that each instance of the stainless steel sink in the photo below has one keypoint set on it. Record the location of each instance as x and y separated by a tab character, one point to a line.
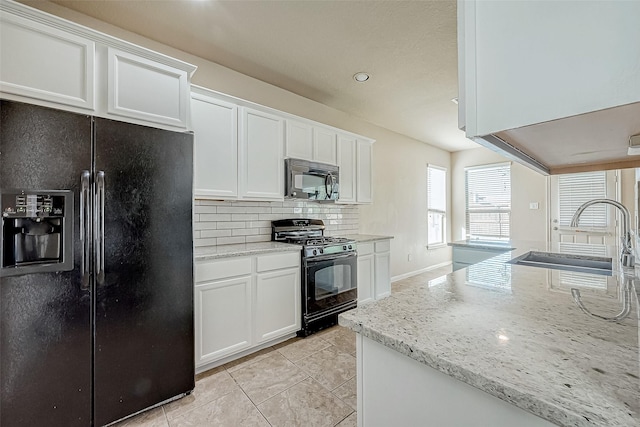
578	263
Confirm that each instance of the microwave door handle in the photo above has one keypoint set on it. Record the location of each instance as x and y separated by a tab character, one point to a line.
328	185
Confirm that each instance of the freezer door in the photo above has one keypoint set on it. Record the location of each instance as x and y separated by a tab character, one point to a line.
45	329
144	279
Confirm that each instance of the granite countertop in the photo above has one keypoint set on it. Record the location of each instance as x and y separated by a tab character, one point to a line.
204	253
514	332
360	238
495	245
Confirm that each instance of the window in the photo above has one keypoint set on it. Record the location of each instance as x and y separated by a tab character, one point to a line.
488	201
577	188
436	205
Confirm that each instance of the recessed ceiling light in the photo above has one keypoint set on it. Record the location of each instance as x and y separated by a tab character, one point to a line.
634	145
361	77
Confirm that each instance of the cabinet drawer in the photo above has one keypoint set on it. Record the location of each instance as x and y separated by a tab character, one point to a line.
383	246
365	248
275	262
214	270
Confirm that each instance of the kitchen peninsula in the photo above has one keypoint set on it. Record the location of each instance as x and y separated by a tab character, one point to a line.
501	344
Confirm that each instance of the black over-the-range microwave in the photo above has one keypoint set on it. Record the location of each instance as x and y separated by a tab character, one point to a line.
311	180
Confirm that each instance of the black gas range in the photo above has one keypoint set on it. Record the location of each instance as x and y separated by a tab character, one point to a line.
329	271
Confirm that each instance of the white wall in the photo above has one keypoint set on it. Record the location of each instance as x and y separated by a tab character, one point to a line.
399	207
526	186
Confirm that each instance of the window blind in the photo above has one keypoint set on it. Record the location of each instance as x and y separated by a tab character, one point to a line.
488	201
574	190
574	279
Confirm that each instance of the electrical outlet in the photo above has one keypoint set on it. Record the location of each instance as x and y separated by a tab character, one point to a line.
409	257
533	205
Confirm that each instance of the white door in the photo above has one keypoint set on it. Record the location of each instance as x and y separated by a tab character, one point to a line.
222	318
261	155
215	127
277	304
598	223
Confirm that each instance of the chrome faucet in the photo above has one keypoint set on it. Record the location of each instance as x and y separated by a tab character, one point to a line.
626	253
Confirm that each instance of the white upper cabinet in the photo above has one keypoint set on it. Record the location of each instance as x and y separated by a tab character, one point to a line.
42	62
552	80
261	155
215	126
347	165
53	62
325	148
299	143
364	173
313	143
146	90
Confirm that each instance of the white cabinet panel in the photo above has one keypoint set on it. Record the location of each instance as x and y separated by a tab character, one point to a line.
347	165
325	146
277	304
223	318
46	63
262	165
383	277
366	275
364	172
146	90
215	126
299	140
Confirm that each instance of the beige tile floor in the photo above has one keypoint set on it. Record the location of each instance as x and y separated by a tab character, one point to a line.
302	382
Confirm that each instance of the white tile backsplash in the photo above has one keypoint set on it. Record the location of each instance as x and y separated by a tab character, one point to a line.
224	222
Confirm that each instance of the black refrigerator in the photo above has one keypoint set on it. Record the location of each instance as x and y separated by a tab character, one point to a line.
96	273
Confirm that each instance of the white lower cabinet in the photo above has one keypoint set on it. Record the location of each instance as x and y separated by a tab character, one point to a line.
245	302
277	302
223	323
382	286
464	257
374	279
366	272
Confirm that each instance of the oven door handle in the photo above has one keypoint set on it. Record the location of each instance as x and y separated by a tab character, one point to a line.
331	257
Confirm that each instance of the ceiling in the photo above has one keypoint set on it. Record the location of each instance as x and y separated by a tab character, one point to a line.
313	49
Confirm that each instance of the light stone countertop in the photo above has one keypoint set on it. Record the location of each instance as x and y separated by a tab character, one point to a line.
204	253
494	245
514	332
361	238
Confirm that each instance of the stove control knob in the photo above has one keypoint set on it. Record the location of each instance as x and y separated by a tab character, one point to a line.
315	252
350	247
321	250
344	248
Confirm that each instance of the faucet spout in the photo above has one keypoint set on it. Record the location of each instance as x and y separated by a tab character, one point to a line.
626	253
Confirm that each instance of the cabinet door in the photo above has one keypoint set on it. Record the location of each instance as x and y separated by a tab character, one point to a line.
382	275
262	157
222	318
46	63
299	143
325	146
364	172
347	164
215	125
146	90
277	304
366	272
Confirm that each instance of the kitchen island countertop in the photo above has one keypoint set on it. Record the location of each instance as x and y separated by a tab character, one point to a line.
515	332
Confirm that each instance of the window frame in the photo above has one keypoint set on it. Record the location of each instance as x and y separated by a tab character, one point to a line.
496	210
443	213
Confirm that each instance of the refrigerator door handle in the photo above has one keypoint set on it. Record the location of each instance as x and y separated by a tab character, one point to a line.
84	228
99	227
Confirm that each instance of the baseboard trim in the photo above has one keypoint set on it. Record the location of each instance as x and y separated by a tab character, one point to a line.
416	272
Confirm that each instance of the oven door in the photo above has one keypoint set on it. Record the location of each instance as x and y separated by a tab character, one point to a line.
331	282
